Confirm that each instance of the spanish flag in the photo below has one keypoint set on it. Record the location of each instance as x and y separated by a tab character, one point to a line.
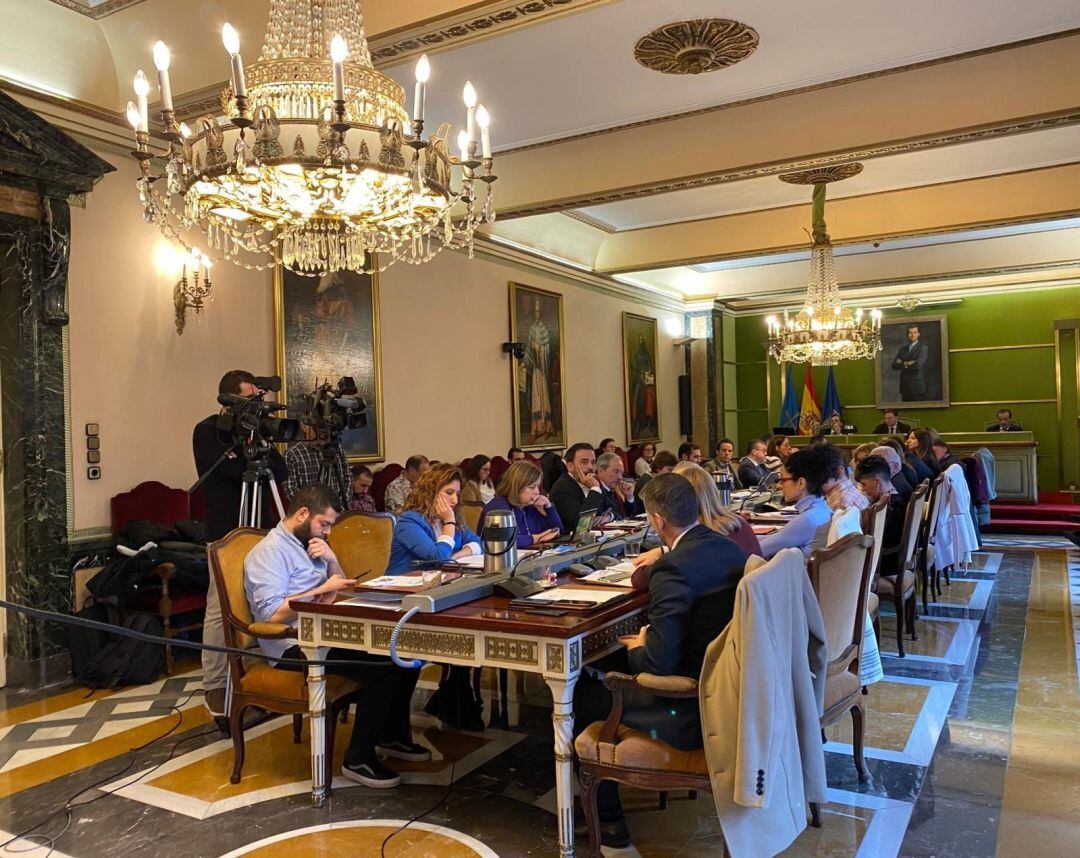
810	413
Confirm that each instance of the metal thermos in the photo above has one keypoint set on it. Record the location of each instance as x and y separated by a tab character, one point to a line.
723	484
499	537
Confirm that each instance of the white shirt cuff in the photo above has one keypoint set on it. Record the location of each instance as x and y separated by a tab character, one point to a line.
477	548
446	540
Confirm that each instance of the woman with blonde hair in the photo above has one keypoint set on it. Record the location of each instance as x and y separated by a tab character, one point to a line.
711	513
519	491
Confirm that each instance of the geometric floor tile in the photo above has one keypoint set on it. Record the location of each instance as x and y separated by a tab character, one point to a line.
197	783
1019	540
365	838
904	719
967	593
942	640
986	561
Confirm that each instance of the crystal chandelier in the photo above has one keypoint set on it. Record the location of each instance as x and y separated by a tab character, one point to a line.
310	165
823	332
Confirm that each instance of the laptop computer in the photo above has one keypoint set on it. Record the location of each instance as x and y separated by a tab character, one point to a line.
580	531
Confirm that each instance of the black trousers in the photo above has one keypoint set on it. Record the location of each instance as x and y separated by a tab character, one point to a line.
382	712
674	721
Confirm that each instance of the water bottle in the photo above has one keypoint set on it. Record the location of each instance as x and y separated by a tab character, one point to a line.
724	485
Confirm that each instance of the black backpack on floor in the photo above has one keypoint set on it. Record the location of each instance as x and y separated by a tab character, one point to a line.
103	660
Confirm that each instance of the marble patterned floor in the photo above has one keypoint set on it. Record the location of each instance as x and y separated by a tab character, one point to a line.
972	746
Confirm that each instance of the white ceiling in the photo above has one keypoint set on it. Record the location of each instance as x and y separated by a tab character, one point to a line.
525	76
913	169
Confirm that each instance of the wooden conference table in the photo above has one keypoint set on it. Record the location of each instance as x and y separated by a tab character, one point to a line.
483	633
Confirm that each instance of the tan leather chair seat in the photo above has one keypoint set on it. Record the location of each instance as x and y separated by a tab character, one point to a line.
637	750
885	585
840	686
872	603
288	685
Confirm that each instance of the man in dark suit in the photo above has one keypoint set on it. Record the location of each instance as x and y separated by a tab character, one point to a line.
578	490
890	424
752	467
909	362
691	599
1004	422
616	487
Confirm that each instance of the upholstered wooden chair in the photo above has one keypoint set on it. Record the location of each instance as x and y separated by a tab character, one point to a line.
499	466
470	512
931	578
872	521
840	575
901	588
260	684
383	477
611	751
361	541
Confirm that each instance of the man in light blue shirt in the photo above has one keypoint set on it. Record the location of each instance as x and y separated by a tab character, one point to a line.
802	478
293	561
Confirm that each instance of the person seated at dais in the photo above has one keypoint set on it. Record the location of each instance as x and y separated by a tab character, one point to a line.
837	426
802	480
752	469
294	561
890	424
691	599
519	491
1004	422
478	487
430	528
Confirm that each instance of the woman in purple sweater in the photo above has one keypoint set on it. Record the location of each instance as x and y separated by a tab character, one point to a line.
519	490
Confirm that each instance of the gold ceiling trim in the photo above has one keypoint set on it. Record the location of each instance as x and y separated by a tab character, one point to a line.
453	31
739	174
595	223
697	46
823	175
815	87
102	10
114	117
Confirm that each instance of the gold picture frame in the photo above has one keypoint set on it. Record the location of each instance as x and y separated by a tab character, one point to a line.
641	346
539	375
325	339
897	387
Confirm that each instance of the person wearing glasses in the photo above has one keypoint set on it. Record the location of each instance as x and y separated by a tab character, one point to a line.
802	480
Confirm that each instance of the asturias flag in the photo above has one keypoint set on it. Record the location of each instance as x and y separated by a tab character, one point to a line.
789	410
832	399
810	413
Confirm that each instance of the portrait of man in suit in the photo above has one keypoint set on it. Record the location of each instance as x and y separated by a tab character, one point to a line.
913	364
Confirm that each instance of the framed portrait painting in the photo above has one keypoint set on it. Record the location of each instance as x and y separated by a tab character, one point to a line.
640	346
912	368
539	404
327	328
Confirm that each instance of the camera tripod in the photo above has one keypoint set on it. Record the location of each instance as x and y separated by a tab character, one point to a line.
256	480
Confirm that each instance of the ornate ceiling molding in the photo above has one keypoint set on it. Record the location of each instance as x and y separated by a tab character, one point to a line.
641	123
697	46
815	162
455	30
823	175
101	10
595	223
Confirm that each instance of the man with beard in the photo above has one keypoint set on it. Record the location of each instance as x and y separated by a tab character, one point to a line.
294	561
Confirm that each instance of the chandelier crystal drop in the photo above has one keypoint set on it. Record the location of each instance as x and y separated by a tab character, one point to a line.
316	163
823	332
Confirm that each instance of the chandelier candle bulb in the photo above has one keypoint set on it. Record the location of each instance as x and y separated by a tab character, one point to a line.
483	119
338	51
469	94
423	72
161	62
142	87
231	40
133	116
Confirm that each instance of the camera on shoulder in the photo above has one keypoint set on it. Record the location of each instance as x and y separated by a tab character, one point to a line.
248	418
331	409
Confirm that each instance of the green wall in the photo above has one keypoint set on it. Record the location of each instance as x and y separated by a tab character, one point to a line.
995	375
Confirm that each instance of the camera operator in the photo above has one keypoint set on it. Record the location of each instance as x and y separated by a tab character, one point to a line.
222	490
304	460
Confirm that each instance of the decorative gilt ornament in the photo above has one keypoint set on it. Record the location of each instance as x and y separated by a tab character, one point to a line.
697	46
823	175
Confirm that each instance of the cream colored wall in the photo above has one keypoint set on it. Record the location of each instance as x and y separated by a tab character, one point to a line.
446	381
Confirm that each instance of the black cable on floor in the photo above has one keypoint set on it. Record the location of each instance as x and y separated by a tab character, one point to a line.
419	816
49	841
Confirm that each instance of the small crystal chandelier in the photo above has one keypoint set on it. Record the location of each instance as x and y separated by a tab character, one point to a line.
309	166
823	332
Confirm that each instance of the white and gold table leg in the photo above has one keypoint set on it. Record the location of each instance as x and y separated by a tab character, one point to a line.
317	709
562	719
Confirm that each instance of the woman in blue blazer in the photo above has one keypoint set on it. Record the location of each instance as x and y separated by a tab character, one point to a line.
430	529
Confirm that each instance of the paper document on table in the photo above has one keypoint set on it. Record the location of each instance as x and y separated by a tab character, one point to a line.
403	583
625	522
566	594
616	575
375	599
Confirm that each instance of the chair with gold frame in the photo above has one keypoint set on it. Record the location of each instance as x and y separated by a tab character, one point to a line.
361	541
